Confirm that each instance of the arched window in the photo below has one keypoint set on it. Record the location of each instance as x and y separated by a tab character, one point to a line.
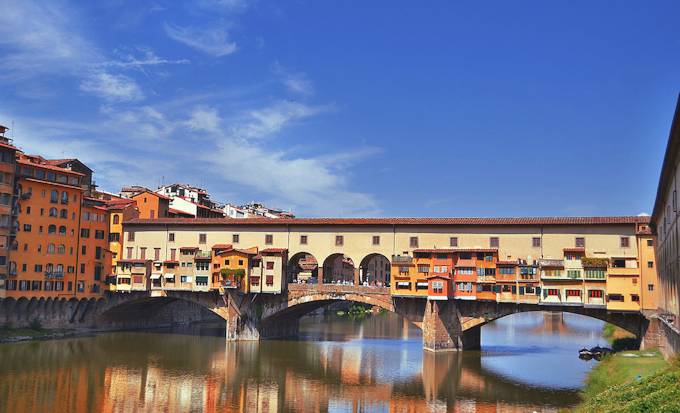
50	248
54	196
64	197
62	230
12	267
60	268
52	229
61	249
53	212
49	268
116	219
63	214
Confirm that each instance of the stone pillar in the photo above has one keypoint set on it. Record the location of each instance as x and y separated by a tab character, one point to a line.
442	328
240	324
357	277
319	275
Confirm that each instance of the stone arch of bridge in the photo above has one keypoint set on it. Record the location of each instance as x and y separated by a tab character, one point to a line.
339	268
374	270
302	267
634	323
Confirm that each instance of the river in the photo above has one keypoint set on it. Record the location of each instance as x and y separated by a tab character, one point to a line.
528	362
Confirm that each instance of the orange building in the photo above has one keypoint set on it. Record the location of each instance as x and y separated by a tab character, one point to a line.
465	276
231	267
7	172
152	205
45	252
94	257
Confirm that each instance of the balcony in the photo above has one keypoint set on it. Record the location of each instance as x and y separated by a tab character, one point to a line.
486	279
553	263
402	259
202	255
54	275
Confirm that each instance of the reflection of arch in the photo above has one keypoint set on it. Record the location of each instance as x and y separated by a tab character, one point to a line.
303	267
338	269
375	270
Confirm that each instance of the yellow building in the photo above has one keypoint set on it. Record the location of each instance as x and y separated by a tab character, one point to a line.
231	267
120	210
267	275
648	274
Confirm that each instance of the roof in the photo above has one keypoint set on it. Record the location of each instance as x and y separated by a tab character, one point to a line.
188	248
500	262
178	212
48	166
148	191
222	246
134	261
273	251
670	159
611	220
60	162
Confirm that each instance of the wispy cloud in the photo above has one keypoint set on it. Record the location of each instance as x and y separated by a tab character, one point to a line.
112	87
213	41
264	122
296	82
147	58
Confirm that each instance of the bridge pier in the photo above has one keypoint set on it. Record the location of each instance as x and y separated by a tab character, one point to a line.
442	329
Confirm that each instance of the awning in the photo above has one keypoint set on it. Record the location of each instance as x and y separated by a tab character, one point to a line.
155	276
169	275
123	275
404	284
421	284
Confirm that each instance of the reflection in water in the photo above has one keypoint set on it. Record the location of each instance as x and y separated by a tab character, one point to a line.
527	362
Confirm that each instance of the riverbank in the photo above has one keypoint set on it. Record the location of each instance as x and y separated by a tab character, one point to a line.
15	335
633	381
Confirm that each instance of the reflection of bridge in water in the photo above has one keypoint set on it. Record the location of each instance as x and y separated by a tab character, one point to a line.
150	372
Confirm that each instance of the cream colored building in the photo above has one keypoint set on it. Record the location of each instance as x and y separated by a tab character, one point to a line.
357	240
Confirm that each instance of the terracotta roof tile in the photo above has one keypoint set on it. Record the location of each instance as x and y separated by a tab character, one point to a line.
273	251
614	220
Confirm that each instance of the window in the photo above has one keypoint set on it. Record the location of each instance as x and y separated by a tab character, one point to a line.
268	239
270	265
54	196
580	242
202	238
84	233
650	264
61	249
52	229
83	249
27	227
82	268
339	240
536	242
63	213
413	242
62	230
422	268
635	298
650	287
303	240
142	253
376	240
270	280
453	241
650	242
493	242
114	237
171	237
625	242
615	297
99	234
116	219
156	254
53	212
235	238
438	287
173	254
573	293
37	268
129	253
240	262
131	236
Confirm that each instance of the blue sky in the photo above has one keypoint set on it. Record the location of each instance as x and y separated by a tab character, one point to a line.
381	108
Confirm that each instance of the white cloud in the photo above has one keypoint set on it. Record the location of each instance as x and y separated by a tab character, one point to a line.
260	123
112	87
204	119
297	83
148	58
212	41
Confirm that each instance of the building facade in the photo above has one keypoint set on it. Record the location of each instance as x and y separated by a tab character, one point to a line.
7	206
556	261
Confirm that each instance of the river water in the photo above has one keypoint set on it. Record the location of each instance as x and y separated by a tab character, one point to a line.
528	362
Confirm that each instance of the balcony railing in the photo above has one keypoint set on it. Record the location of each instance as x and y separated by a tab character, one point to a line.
402	259
54	274
202	255
545	262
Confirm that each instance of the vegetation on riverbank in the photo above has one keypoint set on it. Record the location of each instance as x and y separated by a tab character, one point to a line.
619	339
633	381
35	331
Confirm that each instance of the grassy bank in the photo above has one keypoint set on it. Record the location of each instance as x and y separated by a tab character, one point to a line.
35	332
633	381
